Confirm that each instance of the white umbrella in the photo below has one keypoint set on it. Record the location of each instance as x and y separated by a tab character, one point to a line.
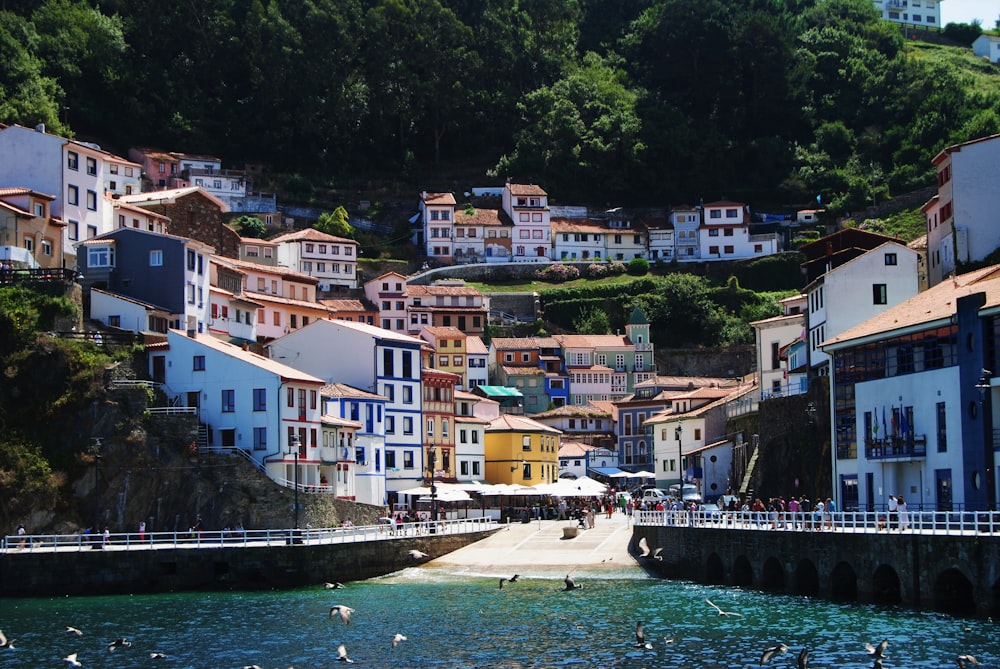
622	475
448	495
581	487
644	475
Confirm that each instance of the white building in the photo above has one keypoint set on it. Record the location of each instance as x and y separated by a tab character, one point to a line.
333	261
773	336
377	361
77	173
916	407
725	233
987	46
916	12
963	223
527	205
388	294
578	239
477	357
248	402
437	213
354	445
472	414
856	291
687	224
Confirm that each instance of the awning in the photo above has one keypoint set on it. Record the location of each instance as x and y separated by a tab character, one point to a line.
447	495
500	391
610	472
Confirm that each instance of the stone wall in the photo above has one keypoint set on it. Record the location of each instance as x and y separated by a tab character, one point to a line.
722	362
197	217
40	574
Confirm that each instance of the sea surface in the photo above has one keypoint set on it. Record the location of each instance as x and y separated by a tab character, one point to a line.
463	620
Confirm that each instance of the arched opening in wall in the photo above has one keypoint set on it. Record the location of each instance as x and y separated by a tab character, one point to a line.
742	572
953	593
715	573
885	586
844	583
806	579
772	575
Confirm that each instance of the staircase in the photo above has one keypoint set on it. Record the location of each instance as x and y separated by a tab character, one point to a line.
745	488
202	437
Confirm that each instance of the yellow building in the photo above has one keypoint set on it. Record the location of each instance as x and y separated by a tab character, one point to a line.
521	451
449	351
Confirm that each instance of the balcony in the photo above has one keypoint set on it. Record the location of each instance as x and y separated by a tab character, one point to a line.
897	448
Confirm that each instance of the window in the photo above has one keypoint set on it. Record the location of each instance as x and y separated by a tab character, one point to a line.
92	166
198	363
728	232
91	200
715	213
260	439
727	249
46	247
526	442
430	427
390	459
407	425
73	160
388	366
100	256
73	194
156	258
942	428
714	232
879	294
713	250
890	259
260	399
407	394
407	364
732	213
290	395
228	401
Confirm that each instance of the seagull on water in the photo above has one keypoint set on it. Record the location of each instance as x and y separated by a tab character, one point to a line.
512	579
398	639
571	584
771	652
416	555
71	659
119	643
966	659
803	661
333	586
877	652
344	612
157	656
721	612
73	630
252	666
640	637
6	643
342	654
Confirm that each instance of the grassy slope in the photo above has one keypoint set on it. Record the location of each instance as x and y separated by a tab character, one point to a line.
976	73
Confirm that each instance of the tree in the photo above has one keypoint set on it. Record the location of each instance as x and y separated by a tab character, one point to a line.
335	224
592	321
27	96
250	226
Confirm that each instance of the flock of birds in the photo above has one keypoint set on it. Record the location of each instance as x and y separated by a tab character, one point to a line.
72	659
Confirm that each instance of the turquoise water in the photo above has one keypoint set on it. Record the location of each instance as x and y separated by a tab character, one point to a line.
466	621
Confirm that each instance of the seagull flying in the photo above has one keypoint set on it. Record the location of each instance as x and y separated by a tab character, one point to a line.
398	639
416	555
721	612
157	656
5	643
966	659
771	652
571	584
344	612
803	661
512	579
877	652
73	630
333	586
640	637
72	660
342	654
119	643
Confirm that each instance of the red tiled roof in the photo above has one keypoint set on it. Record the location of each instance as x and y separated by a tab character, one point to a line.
525	189
483	217
311	235
439	198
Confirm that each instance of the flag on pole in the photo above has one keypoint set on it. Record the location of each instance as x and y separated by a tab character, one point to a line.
875	425
905	424
892	422
884	431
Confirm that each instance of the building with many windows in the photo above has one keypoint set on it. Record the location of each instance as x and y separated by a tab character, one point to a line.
333	261
527	205
915	12
521	451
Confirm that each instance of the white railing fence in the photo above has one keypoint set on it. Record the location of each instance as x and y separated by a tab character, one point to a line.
921	522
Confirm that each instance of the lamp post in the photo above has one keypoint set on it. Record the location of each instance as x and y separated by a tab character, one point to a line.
985	392
294	443
95	450
678	431
431	462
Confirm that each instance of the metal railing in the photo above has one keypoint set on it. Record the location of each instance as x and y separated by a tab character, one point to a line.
919	522
71	543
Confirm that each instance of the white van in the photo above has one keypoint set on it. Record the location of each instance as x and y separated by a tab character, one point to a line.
688	492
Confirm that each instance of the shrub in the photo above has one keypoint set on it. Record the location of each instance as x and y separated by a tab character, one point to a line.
616	268
596	271
638	266
558	273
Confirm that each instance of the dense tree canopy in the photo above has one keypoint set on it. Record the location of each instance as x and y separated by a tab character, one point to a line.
631	101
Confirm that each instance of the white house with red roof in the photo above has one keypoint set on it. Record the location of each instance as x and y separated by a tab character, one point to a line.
437	213
388	294
527	205
247	402
578	239
725	233
333	261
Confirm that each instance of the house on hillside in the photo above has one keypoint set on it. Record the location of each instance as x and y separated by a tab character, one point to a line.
961	220
527	205
987	46
193	213
333	261
445	303
245	402
481	235
521	451
725	233
388	293
29	233
686	221
375	360
472	414
168	273
353	448
436	215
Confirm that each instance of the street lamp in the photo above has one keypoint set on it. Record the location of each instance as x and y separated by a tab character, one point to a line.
984	387
430	461
96	447
678	431
294	443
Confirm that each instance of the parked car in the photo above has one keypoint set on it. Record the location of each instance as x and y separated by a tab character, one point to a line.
688	492
650	495
710	512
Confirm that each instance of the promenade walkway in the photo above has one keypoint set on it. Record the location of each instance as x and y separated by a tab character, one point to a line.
540	549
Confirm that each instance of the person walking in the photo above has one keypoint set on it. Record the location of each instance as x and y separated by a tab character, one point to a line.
904	514
142	531
893	511
107	535
22	535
